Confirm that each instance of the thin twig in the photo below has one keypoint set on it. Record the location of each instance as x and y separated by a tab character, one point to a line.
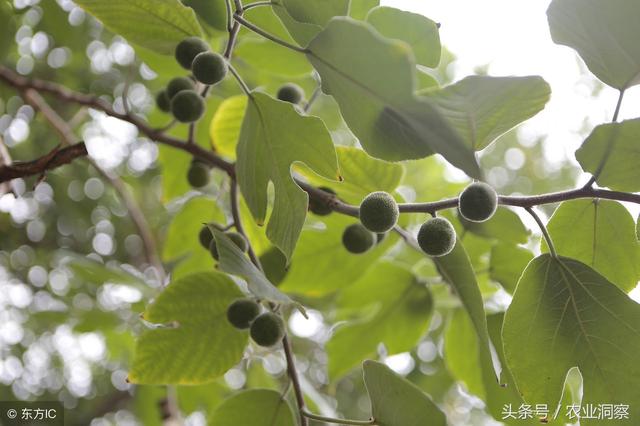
266	35
53	159
257	4
240	81
338	421
237	221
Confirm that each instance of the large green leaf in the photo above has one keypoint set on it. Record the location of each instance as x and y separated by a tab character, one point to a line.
605	34
321	265
274	136
375	93
182	244
420	32
505	225
234	261
362	174
255	407
270	57
301	32
360	8
155	24
317	12
456	269
601	234
397	402
482	108
507	263
391	308
611	153
213	12
226	124
193	343
564	314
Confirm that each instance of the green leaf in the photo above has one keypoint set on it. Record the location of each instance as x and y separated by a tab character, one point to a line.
194	343
317	12
269	144
226	124
255	407
397	402
375	93
563	315
182	243
213	12
362	174
360	8
456	269
420	32
234	261
301	32
482	108
507	263
615	145
601	234
264	55
505	225
401	309
605	34
158	25
321	265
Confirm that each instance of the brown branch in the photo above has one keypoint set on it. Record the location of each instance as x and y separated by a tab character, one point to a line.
53	159
5	160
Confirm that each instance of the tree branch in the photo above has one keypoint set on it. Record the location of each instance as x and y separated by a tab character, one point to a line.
55	158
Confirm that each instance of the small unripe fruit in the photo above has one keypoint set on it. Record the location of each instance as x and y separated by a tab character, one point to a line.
187	106
209	68
163	102
291	93
318	207
198	175
267	329
379	212
177	85
242	312
188	49
358	239
205	236
437	237
478	202
237	239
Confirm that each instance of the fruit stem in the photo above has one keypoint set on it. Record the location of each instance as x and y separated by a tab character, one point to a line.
337	421
240	81
545	232
257	4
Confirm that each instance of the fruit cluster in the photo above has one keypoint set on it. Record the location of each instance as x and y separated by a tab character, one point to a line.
266	329
208	242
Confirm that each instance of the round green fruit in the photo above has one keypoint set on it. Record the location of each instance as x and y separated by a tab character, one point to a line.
205	236
177	85
209	68
267	329
437	237
198	175
291	93
358	239
187	106
237	239
379	212
188	49
318	207
163	102
242	312
478	202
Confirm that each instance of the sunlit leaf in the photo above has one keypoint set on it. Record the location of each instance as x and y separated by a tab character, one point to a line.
255	407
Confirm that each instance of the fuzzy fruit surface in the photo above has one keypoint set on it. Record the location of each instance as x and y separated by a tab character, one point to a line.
242	312
163	101
187	106
478	202
358	239
177	85
198	175
379	212
291	93
209	68
205	236
188	49
318	207
437	237
267	329
237	239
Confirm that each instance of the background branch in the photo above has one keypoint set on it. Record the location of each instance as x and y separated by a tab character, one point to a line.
53	159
